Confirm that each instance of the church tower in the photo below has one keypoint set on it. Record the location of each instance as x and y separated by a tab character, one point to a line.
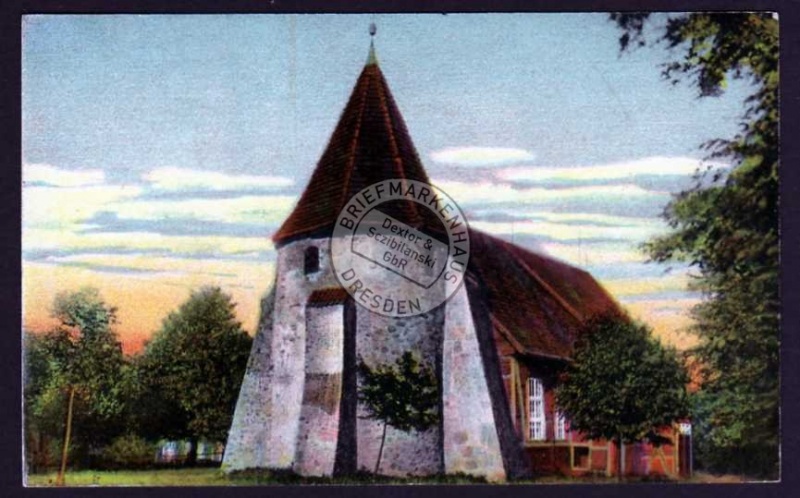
298	406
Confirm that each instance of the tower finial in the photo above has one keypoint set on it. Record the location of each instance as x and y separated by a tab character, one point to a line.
371	59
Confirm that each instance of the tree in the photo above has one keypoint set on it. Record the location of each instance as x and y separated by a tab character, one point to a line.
622	385
72	375
193	367
403	395
43	415
726	227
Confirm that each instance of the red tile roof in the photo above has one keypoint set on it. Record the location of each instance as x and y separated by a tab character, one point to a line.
534	301
370	144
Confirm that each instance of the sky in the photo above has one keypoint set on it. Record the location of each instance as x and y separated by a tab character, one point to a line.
160	153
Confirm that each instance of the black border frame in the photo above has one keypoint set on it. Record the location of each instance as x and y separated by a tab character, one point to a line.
11	12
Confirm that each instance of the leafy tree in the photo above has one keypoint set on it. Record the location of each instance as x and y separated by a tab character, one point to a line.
726	227
403	395
72	376
192	369
43	415
623	385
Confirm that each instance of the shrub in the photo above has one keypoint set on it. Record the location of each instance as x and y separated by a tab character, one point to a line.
129	451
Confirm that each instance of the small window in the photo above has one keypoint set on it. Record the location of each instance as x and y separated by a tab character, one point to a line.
536	409
311	260
560	426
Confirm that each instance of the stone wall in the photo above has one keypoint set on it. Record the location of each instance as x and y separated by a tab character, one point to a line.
287	415
380	341
471	443
249	433
319	415
266	421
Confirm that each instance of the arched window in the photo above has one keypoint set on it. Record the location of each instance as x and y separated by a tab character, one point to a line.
311	260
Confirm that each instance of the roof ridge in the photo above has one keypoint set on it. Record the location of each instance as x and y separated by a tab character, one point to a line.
370	143
354	144
387	122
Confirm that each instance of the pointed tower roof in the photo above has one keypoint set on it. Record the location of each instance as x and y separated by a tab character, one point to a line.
370	144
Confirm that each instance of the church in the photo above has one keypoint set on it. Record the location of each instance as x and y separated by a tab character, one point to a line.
496	344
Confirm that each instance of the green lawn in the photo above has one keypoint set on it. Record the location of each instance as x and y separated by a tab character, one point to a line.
161	477
215	477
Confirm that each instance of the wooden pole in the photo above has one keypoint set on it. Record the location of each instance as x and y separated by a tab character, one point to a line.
380	451
67	434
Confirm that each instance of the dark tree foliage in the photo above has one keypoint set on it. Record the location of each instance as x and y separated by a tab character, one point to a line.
43	414
191	371
404	395
623	385
726	226
88	350
82	354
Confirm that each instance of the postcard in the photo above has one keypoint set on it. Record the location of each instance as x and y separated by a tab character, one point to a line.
400	248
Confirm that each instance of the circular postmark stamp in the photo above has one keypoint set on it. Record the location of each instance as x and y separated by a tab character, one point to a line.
394	267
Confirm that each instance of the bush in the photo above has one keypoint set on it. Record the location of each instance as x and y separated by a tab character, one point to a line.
129	451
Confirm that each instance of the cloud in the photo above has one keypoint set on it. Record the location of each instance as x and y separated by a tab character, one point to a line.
607	253
41	242
596	219
107	221
163	266
64	207
486	193
564	232
621	199
481	156
49	255
178	179
263	210
649	167
37	174
631	270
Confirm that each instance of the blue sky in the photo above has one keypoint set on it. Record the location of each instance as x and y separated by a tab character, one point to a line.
164	150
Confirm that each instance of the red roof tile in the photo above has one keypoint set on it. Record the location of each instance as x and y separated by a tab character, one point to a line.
370	144
534	301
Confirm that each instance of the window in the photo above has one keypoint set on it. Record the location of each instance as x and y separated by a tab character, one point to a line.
311	260
560	426
536	409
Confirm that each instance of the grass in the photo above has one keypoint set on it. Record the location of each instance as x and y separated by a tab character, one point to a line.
215	477
157	477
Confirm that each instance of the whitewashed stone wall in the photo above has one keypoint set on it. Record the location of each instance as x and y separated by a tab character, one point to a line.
266	421
471	443
297	355
249	433
382	340
319	415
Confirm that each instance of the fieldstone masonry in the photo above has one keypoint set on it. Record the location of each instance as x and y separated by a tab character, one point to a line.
382	340
471	443
288	412
298	406
249	434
